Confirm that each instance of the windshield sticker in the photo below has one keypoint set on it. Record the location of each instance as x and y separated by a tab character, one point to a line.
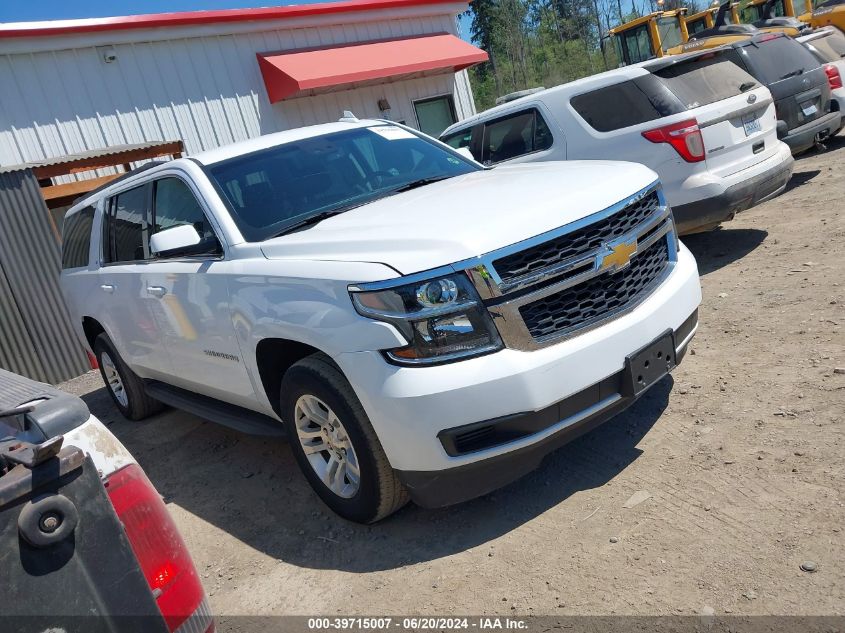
391	132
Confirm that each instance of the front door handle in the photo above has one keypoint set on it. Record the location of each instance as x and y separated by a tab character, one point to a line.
109	288
156	291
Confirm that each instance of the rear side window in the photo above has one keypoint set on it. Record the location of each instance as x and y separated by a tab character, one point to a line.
126	226
615	107
706	79
76	238
515	135
779	58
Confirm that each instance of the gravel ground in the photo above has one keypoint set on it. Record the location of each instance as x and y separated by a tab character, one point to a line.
736	461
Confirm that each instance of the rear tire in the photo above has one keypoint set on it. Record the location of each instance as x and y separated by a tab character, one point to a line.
324	417
124	386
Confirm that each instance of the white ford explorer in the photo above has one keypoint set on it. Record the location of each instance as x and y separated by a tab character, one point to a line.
419	326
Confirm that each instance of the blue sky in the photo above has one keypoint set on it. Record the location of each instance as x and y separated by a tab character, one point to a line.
17	11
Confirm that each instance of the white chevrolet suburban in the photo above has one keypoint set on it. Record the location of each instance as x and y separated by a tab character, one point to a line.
418	325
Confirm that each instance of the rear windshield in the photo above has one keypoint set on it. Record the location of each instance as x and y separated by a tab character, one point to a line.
830	47
779	58
706	79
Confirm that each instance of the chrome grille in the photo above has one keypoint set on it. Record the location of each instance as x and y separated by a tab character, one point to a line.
583	304
579	242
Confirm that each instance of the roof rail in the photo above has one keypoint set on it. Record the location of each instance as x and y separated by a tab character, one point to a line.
122	177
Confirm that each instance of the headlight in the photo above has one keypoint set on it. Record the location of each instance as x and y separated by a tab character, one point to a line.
442	319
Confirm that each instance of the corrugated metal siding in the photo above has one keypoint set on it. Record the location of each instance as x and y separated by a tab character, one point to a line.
207	91
36	339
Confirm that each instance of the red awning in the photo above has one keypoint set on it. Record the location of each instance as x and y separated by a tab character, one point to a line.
297	72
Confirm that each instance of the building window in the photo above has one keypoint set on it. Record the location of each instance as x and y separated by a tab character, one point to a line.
435	115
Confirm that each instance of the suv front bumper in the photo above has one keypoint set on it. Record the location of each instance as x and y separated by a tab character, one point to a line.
411	408
556	426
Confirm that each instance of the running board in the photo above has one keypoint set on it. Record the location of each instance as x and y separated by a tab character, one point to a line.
233	416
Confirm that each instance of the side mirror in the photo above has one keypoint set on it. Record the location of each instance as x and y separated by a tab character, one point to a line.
182	238
464	151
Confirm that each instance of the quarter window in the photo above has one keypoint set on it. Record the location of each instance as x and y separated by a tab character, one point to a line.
459	139
515	135
126	226
615	107
76	238
176	205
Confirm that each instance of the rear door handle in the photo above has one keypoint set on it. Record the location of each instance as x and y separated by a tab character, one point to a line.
107	288
156	291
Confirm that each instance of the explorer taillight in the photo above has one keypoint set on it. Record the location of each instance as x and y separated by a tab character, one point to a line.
684	136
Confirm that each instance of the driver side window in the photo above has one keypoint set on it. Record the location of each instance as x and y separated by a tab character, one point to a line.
174	204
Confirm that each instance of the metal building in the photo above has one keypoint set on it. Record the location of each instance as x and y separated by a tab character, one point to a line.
90	88
210	78
36	339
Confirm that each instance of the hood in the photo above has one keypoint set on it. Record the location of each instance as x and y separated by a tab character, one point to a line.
466	216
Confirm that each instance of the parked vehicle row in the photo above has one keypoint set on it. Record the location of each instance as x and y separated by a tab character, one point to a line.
709	123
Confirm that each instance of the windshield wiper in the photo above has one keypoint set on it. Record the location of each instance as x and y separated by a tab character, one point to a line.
421	182
794	73
311	220
748	85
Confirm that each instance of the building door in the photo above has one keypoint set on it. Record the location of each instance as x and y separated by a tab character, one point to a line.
435	115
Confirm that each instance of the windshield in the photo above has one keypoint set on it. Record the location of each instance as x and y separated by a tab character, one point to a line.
670	32
273	189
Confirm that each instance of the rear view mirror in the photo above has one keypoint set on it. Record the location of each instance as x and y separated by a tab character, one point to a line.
464	151
179	239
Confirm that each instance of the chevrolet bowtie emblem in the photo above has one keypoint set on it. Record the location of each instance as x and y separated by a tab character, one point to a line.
618	255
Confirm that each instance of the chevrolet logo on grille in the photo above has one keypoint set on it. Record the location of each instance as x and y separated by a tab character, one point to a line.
617	256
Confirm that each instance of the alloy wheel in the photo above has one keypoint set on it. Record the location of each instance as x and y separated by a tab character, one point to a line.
113	379
327	446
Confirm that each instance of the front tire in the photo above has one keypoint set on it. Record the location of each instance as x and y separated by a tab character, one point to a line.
335	444
124	386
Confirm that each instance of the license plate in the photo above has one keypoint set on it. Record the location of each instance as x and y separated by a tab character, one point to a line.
648	365
809	108
751	124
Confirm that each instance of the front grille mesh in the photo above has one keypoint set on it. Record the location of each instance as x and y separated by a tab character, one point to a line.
578	242
579	306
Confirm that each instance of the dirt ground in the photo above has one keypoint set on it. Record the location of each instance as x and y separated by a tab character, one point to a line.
740	454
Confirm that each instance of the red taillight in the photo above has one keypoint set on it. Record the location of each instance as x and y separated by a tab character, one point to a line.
159	548
685	137
833	76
